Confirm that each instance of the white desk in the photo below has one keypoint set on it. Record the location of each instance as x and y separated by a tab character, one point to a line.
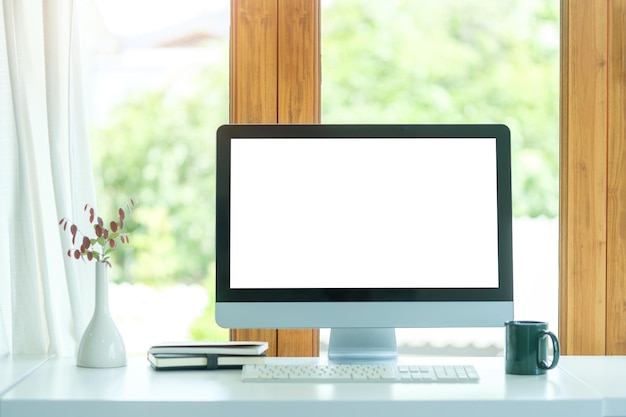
14	369
604	374
59	388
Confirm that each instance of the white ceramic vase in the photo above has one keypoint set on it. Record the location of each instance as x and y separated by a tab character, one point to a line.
102	345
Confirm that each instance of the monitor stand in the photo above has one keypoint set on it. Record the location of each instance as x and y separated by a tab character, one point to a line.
366	345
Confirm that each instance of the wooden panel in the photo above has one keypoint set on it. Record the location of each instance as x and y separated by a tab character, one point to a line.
583	177
299	62
268	335
260	78
299	342
253	61
616	214
253	87
298	102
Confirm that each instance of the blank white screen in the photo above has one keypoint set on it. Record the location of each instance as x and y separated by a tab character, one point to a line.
363	213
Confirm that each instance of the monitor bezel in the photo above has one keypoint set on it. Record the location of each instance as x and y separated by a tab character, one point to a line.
502	293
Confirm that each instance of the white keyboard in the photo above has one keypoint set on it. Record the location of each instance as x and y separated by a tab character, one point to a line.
359	373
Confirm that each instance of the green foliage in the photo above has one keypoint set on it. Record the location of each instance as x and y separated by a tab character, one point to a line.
160	146
452	61
401	61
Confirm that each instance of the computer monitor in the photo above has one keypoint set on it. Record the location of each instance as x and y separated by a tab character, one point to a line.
363	229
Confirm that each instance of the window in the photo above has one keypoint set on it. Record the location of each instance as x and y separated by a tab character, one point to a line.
462	62
156	78
384	64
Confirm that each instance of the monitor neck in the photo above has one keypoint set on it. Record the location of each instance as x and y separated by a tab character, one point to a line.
366	345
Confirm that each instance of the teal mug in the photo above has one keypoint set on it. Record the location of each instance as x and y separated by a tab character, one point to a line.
527	348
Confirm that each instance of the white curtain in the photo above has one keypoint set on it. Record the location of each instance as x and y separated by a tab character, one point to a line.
45	174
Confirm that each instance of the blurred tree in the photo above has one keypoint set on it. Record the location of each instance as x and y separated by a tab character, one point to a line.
452	61
404	61
159	146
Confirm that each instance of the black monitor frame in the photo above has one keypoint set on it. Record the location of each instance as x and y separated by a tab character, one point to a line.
504	291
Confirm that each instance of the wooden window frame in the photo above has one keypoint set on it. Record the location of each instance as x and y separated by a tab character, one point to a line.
592	242
275	78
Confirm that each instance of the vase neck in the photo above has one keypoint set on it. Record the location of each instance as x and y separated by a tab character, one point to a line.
102	288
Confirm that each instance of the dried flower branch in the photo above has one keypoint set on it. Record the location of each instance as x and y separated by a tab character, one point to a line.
106	240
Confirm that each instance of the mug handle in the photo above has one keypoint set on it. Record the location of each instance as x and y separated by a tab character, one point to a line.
556	351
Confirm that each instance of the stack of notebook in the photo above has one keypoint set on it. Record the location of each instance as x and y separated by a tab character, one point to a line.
206	355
